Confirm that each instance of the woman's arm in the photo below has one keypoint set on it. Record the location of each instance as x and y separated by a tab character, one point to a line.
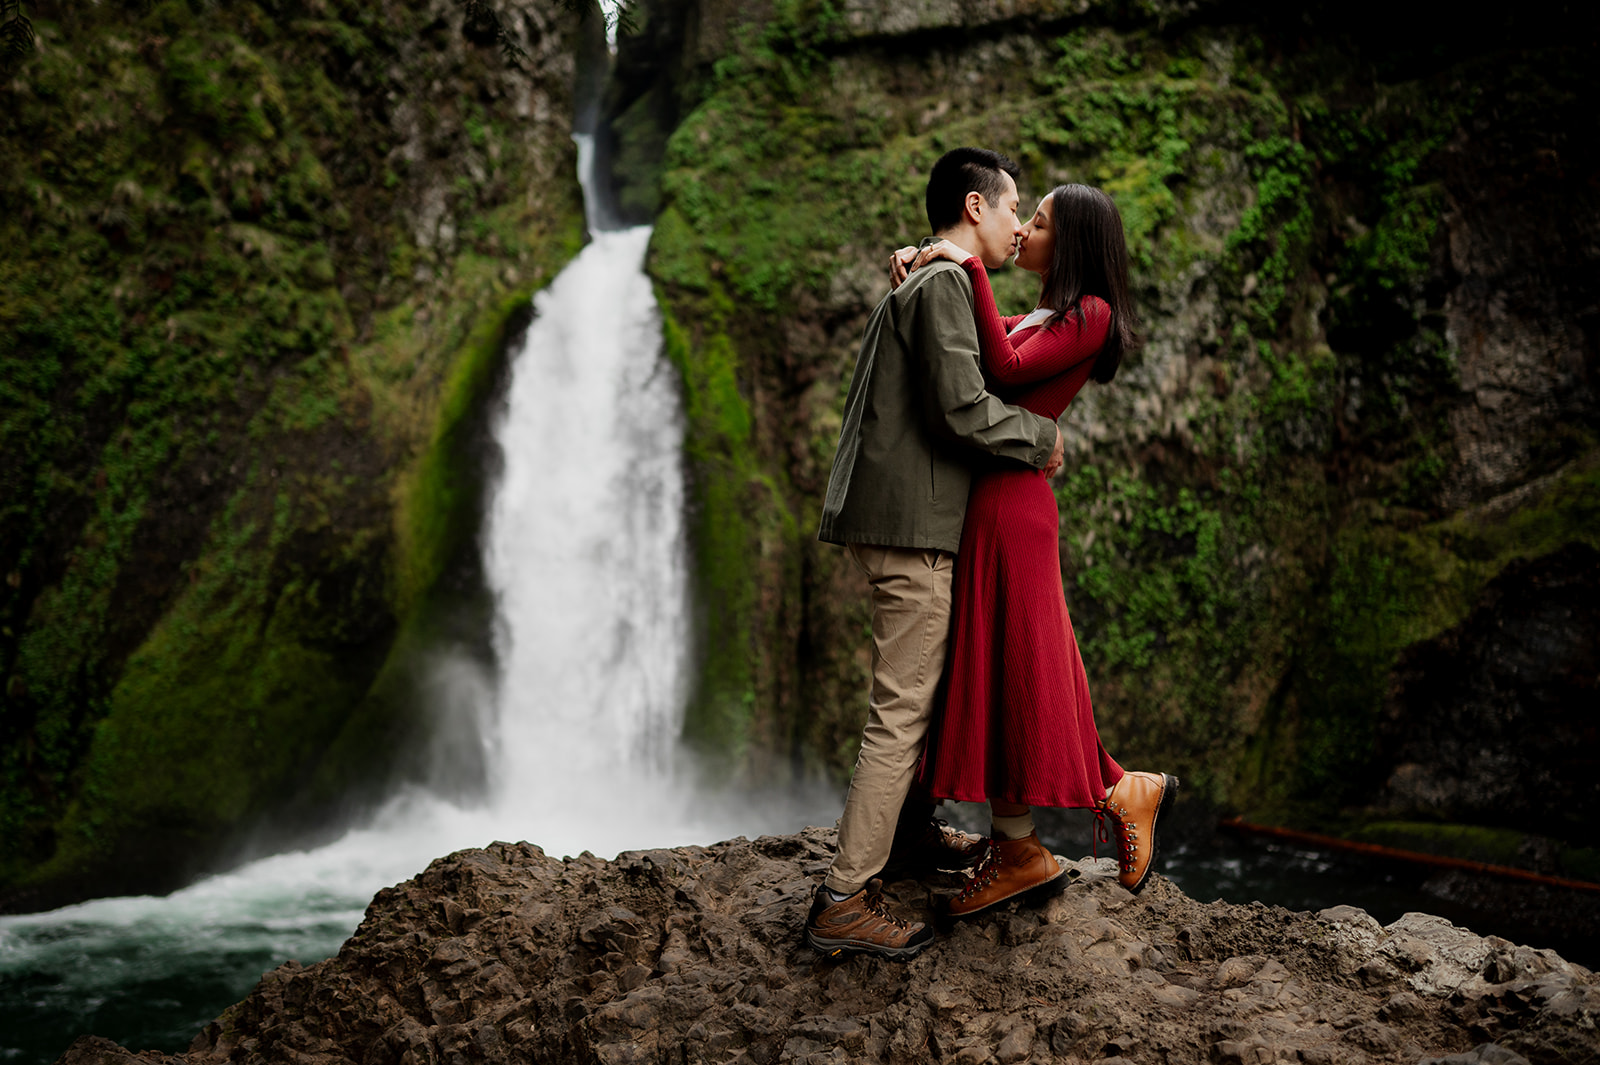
1046	351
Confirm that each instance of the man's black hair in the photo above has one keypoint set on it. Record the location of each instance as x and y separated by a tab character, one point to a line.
958	172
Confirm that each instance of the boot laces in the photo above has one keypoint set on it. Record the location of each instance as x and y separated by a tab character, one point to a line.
988	868
876	906
1102	831
1125	833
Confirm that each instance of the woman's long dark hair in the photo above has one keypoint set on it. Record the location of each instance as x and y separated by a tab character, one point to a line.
1091	259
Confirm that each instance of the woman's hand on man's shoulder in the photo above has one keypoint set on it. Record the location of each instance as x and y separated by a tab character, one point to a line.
900	265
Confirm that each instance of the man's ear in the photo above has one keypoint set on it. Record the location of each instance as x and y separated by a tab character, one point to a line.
974	206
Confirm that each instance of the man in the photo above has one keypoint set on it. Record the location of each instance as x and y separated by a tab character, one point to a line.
916	417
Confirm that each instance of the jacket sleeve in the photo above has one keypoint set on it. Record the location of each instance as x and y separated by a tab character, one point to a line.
940	328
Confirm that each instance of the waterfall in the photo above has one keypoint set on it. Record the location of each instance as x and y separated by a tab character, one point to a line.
585	554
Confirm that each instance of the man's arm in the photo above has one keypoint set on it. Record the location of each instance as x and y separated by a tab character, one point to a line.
941	329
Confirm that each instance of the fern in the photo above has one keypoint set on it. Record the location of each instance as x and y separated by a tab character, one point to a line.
16	34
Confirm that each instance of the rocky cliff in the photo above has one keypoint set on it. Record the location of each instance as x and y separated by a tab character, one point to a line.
1365	264
693	955
259	262
260	257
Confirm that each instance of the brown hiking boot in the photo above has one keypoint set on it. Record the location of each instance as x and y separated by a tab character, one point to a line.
935	846
1009	868
863	923
1136	805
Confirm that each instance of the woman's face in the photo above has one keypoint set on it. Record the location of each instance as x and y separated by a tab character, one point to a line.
1037	240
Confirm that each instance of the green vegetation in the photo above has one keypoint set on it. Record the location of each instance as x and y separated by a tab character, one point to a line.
724	537
1478	843
769	191
1260	528
238	356
258	274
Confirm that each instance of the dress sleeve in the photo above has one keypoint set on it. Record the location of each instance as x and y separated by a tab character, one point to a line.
1045	352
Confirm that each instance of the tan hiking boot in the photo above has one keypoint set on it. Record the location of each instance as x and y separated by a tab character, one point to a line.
1136	805
1011	867
863	923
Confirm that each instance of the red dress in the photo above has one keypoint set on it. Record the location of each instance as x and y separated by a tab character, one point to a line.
1017	724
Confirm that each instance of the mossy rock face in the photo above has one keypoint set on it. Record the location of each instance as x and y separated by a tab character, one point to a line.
1368	382
258	275
1493	722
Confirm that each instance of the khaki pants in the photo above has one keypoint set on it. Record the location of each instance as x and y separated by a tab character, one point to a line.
910	629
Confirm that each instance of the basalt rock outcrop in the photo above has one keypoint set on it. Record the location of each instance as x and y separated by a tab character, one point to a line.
693	954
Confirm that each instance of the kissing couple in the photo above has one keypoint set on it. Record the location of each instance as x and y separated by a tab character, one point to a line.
940	494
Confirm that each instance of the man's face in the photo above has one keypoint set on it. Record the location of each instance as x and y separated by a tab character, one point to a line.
998	226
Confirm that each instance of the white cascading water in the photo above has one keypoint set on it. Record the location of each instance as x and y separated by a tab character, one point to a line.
586	556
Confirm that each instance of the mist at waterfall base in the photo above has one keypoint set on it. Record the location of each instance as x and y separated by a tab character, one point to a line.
584	552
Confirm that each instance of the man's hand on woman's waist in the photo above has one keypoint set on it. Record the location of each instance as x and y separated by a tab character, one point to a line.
1058	456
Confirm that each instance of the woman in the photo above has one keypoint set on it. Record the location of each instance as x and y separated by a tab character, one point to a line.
1017	728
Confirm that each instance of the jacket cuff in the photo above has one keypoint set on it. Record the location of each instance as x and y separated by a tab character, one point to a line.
1046	441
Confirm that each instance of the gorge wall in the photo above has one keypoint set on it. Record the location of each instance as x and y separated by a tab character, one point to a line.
1353	468
1329	539
258	263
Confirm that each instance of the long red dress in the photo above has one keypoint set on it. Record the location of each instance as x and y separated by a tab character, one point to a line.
1017	723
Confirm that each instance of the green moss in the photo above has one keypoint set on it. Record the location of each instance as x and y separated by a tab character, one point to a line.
1112	112
231	431
723	532
435	505
1279	222
1497	846
676	255
1390	588
1477	843
227	678
1161	569
641	145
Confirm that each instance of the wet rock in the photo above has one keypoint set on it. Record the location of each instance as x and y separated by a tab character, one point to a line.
695	955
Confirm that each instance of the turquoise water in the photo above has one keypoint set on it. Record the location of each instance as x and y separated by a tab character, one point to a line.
146	978
150	973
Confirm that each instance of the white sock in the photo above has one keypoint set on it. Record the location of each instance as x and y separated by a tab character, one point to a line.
1012	827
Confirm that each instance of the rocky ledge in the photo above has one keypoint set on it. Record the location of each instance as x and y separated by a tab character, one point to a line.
694	955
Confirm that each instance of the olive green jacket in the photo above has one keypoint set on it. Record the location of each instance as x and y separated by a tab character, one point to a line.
917	417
